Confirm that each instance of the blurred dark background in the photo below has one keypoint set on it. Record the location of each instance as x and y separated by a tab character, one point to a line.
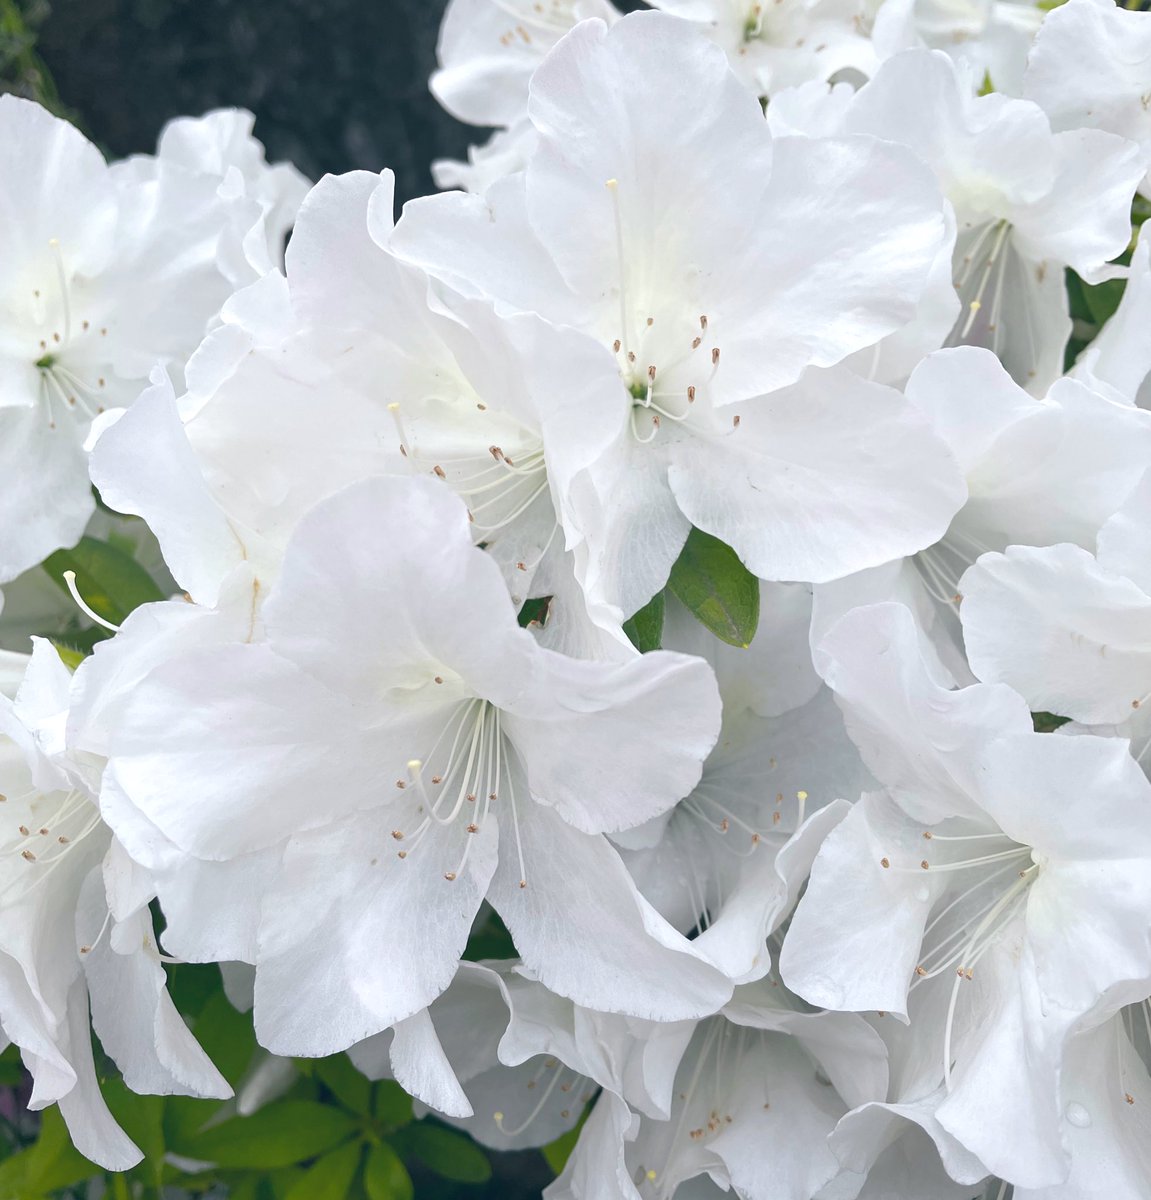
334	84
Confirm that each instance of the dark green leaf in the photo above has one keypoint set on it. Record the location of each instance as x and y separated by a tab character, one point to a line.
331	1177
448	1153
287	1132
645	628
348	1085
111	582
1102	299
1045	722
391	1105
535	612
142	1119
712	583
385	1176
489	938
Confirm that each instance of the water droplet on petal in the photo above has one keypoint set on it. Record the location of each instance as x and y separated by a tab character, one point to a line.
1078	1116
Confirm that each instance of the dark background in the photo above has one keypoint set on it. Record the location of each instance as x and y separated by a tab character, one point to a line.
334	84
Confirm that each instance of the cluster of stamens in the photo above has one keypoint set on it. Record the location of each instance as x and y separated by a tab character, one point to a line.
970	923
472	779
566	1082
62	390
653	404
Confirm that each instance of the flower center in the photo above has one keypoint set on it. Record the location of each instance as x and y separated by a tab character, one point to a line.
551	1082
466	772
968	922
981	275
42	831
64	394
664	366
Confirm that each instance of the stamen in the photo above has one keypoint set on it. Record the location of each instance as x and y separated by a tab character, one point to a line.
70	581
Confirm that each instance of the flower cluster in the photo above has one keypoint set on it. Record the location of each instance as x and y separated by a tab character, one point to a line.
711	546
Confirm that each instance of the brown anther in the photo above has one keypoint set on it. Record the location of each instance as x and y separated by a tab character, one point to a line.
703	323
735	421
565	1113
398	834
43	832
714	355
885	863
969	973
1136	703
84	326
755	839
401	784
27	855
1128	1097
62	840
925	864
471	798
25	830
616	345
651	374
521	566
495	452
492	796
438	470
523	883
928	834
776	817
920	971
481	407
403	450
450	876
437	779
696	343
437	679
56	338
103	332
85	949
691	394
43	344
473	829
401	854
631	356
650	322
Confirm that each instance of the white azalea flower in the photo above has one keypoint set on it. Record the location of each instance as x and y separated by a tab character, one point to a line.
77	933
728	860
220	143
783	43
1029	201
988	39
457	759
1040	471
106	271
1090	67
996	857
757	1091
1069	630
713	267
354	355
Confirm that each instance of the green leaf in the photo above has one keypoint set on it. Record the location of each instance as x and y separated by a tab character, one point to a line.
51	1164
385	1176
558	1152
142	1119
287	1132
331	1177
712	583
1045	722
489	939
1102	299
349	1086
535	612
111	582
448	1154
645	628
391	1105
69	655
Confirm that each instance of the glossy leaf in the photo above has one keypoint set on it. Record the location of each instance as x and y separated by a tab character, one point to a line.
709	579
